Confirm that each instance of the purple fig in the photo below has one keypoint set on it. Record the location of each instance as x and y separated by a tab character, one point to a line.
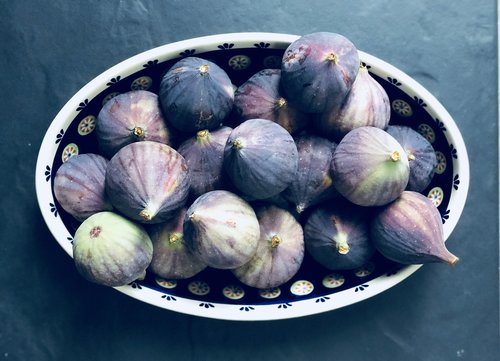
369	167
421	156
366	104
130	117
171	258
410	231
337	236
111	250
318	70
279	253
79	185
204	155
221	229
196	94
260	158
313	183
147	181
261	97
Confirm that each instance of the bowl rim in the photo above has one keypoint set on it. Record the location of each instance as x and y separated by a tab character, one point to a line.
303	307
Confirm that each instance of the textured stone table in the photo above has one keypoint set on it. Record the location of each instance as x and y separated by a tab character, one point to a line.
48	312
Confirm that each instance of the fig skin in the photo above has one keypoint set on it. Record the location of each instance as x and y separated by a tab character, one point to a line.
147	181
130	117
221	229
410	231
369	167
196	94
79	186
313	183
337	236
111	250
261	97
260	158
366	104
204	155
171	258
280	251
421	156
318	70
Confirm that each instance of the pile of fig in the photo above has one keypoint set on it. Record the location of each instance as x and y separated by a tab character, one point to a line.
300	160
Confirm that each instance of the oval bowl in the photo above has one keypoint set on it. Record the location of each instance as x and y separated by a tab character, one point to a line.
214	293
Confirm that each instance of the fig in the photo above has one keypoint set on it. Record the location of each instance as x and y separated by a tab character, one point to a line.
260	158
261	97
279	253
318	70
337	236
221	229
313	183
204	155
409	231
369	167
171	258
130	117
196	94
147	181
366	104
79	185
421	156
111	250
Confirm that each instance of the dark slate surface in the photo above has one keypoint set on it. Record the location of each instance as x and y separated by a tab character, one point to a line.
47	312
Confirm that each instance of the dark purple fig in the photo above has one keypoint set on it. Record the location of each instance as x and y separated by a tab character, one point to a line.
221	229
280	251
79	185
171	258
313	183
410	231
111	250
196	94
369	167
421	156
366	104
318	70
130	117
337	236
204	155
147	181
261	97
260	158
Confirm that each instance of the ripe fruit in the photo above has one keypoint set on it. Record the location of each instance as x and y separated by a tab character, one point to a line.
318	70
111	250
79	185
147	181
260	158
130	117
369	167
366	104
409	231
196	94
221	229
279	253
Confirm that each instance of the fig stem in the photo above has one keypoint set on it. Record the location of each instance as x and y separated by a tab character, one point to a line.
275	241
410	156
237	144
202	134
281	102
395	156
203	69
332	57
146	214
139	132
173	238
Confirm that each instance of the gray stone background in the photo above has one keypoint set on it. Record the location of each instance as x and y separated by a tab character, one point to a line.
50	49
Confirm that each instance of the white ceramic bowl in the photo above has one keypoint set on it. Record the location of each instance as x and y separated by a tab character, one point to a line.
214	293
